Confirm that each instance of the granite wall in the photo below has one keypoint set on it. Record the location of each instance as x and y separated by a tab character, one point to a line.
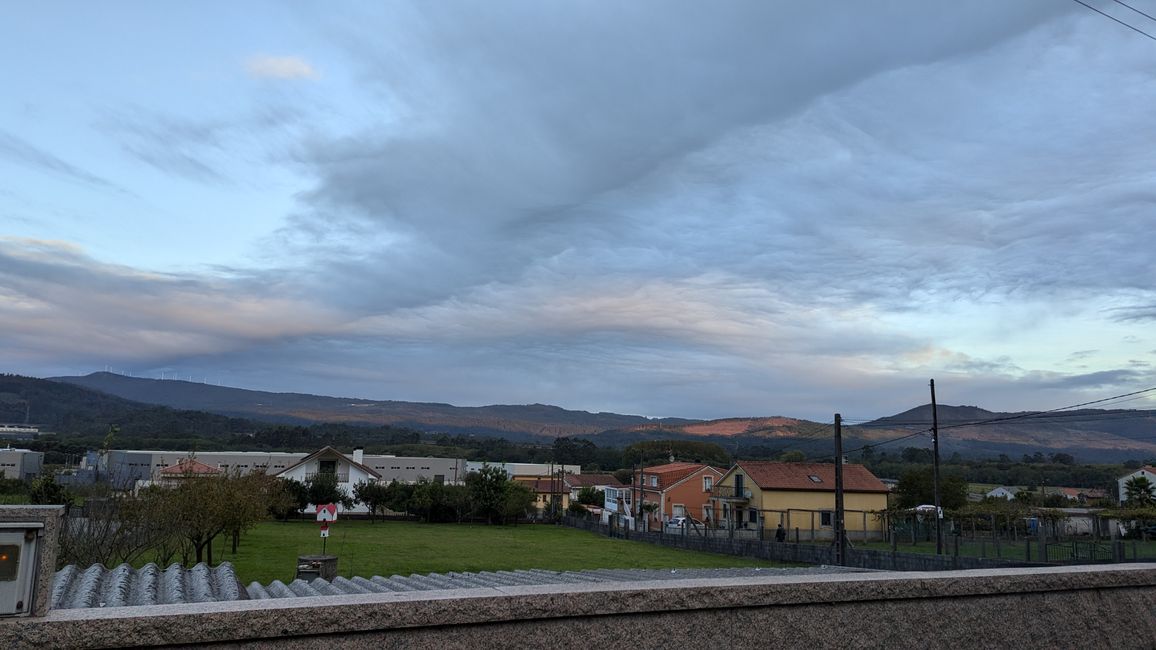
1055	607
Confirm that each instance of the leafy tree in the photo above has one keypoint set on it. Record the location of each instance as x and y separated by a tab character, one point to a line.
289	499
1063	459
577	509
917	455
796	456
1139	492
457	500
655	451
397	496
916	487
487	488
373	494
203	507
429	500
46	491
589	496
516	500
574	451
322	488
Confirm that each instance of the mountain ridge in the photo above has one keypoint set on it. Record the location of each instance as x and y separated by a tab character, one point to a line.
1088	433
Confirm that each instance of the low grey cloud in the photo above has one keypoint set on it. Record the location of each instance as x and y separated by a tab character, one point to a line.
130	316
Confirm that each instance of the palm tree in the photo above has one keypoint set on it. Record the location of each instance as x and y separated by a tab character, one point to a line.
1138	491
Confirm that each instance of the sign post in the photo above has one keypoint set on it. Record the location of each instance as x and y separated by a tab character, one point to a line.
326	513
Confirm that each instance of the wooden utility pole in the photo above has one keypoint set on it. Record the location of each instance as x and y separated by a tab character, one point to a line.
935	472
840	532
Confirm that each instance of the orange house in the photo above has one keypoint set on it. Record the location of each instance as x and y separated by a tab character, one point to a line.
678	490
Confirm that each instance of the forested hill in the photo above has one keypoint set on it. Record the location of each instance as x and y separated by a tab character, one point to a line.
504	420
77	411
1089	434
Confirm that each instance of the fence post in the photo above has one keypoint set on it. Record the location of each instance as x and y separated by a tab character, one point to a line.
1042	540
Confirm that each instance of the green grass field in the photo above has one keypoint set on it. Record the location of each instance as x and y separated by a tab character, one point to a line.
269	551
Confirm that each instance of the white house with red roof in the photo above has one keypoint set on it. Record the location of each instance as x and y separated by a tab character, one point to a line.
349	471
1147	472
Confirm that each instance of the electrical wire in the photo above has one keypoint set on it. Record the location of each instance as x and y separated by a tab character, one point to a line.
1111	17
1125	4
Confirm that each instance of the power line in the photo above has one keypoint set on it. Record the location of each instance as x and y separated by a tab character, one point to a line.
1021	416
1134	9
1018	416
1111	17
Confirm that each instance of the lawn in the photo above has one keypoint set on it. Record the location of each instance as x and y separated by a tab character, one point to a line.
269	551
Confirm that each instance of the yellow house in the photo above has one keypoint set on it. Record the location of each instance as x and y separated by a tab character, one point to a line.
801	497
551	495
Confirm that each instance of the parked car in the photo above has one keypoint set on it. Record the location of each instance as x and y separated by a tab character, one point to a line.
678	522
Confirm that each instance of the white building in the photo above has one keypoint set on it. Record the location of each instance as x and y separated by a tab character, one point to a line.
126	468
23	464
1003	492
525	469
349	472
1147	472
617	501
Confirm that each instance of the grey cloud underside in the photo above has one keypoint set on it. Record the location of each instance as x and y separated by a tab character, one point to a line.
21	152
521	145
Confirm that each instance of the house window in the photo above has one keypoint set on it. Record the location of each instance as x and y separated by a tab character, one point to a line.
826	518
707	483
815	479
753	516
653	481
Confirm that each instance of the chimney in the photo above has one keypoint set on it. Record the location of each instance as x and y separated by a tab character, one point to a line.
359	455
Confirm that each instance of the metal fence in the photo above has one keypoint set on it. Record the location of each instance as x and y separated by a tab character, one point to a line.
790	552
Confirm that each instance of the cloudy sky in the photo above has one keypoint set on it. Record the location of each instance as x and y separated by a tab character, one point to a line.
659	208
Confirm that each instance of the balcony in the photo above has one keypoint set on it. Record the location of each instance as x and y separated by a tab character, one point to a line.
730	493
342	477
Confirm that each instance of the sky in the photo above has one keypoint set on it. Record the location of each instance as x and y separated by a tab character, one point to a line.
662	208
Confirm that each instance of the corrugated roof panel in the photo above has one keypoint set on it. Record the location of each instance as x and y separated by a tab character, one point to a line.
123	585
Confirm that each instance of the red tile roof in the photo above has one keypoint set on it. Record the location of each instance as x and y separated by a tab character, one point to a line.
591	480
671	473
186	466
770	475
543	485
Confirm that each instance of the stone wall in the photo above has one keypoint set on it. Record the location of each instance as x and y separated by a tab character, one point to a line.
1057	607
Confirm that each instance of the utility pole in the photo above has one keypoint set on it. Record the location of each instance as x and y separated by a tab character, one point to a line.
935	472
840	533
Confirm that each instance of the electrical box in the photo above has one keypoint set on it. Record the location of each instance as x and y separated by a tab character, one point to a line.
19	557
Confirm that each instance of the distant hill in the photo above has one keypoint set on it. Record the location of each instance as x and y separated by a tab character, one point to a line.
1090	435
532	420
78	411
